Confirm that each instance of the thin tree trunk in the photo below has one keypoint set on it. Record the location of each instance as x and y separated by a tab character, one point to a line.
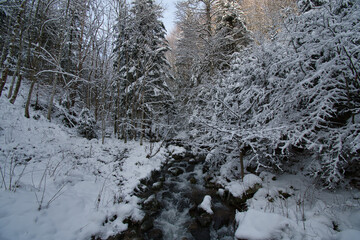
4	53
103	115
12	86
28	100
241	157
142	128
18	70
19	29
4	76
17	88
51	100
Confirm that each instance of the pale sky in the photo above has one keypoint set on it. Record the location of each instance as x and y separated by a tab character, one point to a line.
169	13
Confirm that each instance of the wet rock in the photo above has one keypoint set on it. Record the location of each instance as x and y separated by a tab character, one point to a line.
147	225
193	226
193	211
166	194
285	195
222	217
140	188
176	171
209	181
201	158
177	157
127	235
155	234
192	161
151	204
193	180
198	232
208	178
240	202
190	168
155	175
210	185
183	164
205	169
157	186
182	204
205	220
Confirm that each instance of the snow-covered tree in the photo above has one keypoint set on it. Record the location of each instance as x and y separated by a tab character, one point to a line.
142	90
279	100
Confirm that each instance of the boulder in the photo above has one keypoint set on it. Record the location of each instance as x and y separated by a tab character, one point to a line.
155	234
176	171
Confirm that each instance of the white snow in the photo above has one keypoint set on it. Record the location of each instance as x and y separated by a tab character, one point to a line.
206	204
292	207
238	188
348	234
255	224
176	150
70	185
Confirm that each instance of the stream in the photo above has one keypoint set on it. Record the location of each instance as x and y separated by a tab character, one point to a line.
170	200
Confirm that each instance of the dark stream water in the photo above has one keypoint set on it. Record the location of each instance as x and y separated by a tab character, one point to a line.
170	200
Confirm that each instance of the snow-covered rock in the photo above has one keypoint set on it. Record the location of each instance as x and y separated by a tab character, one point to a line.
206	205
176	150
259	225
238	188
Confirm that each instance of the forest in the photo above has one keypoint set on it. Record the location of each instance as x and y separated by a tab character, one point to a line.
113	127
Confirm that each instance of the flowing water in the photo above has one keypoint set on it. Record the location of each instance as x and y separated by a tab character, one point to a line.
170	201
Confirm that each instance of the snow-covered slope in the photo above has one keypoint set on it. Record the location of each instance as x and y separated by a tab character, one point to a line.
56	185
292	207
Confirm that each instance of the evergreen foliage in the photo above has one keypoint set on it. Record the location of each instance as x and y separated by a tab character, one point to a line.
297	93
142	72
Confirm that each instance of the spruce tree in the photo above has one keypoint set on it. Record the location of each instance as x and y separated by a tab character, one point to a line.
143	70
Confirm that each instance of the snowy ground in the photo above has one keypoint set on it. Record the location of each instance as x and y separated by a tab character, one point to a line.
291	207
55	185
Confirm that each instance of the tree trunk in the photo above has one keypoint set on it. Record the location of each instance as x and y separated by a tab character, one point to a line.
18	28
27	105
51	100
4	53
17	88
142	128
241	157
3	79
11	86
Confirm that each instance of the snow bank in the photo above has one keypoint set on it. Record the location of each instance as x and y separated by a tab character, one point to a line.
82	188
291	207
206	205
238	188
348	234
255	224
176	150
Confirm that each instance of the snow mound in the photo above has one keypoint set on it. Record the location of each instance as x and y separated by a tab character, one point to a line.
176	150
71	187
206	205
237	188
255	224
349	234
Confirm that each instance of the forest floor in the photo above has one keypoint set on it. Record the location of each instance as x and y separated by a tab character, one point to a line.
57	185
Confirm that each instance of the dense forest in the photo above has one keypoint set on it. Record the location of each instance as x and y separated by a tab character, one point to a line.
251	86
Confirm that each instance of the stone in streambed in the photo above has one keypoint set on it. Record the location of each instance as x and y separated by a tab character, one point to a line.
198	232
147	225
157	186
155	234
192	180
176	171
205	220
